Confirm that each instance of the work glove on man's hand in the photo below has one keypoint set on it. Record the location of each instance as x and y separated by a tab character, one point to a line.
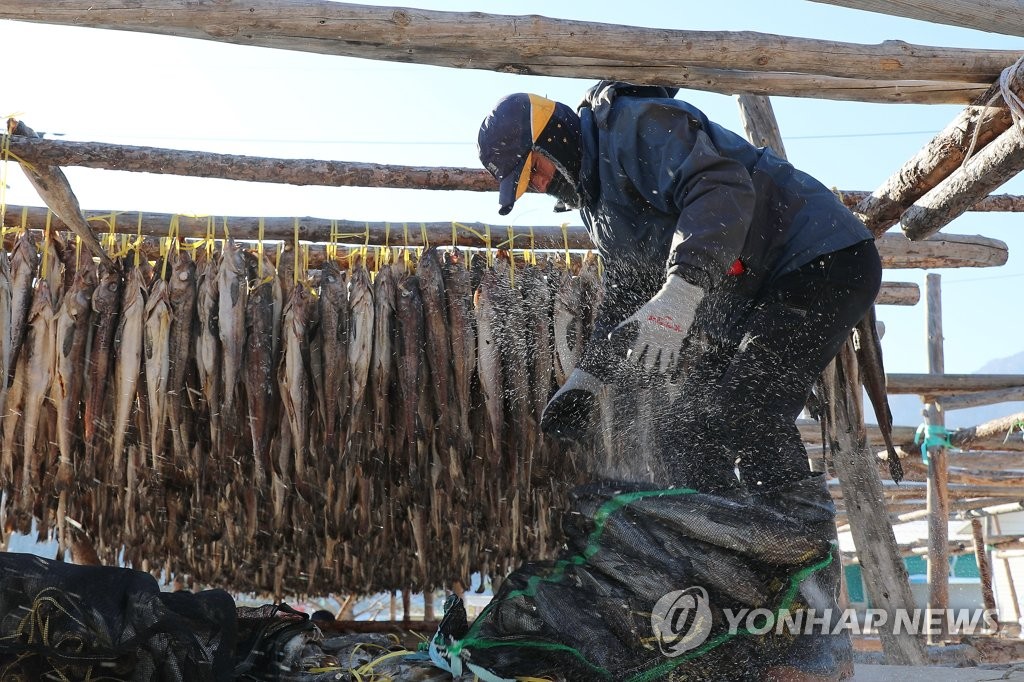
568	415
655	333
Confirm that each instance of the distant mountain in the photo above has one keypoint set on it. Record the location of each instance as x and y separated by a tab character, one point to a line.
906	409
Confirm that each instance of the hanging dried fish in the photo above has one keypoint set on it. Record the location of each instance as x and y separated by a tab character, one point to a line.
489	363
231	289
208	343
462	334
128	363
72	335
409	310
360	348
334	334
183	297
258	370
438	348
157	358
55	190
106	307
567	325
5	325
39	367
24	261
383	361
294	380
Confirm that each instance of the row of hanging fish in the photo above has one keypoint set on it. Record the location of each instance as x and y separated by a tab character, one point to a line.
340	430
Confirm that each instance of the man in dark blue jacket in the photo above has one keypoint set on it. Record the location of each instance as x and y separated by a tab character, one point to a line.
724	265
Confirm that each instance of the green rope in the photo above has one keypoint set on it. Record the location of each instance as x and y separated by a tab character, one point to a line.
592	547
932	436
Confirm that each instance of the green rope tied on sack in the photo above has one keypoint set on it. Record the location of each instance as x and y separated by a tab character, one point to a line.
932	436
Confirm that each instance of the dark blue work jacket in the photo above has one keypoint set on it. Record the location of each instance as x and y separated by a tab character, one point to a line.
666	190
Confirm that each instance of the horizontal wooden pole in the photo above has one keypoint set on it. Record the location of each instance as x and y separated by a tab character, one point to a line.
949	251
991	16
995	164
720	61
949	384
898	293
201	164
974	127
302	172
993	203
968	400
903	437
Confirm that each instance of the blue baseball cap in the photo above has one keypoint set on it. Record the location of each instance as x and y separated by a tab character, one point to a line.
508	137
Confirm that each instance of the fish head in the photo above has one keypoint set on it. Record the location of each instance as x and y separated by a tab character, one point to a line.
107	294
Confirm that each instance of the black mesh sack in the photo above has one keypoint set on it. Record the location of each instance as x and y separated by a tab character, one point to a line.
640	592
62	621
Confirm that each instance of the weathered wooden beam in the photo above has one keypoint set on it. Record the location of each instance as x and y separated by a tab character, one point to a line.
903	436
996	163
937	500
760	124
991	16
978	124
898	293
885	575
946	251
994	203
950	251
949	384
248	168
727	62
310	171
1004	427
962	402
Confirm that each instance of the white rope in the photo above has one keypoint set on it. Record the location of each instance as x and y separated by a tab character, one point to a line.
1007	76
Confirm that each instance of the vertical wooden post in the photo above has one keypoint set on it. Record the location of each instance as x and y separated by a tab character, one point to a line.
760	124
428	605
885	575
938	471
1009	576
406	605
984	567
393	607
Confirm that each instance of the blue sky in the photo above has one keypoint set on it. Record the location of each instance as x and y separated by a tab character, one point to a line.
134	88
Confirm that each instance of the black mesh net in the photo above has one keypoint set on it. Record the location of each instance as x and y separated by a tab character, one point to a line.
65	622
641	592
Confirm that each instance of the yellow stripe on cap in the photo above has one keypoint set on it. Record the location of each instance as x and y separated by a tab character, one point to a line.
541	111
524	176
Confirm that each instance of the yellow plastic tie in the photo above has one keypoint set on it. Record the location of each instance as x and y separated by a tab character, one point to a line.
78	251
366	242
172	236
405	251
423	233
24	218
259	246
295	269
138	241
46	245
565	240
533	247
487	245
332	245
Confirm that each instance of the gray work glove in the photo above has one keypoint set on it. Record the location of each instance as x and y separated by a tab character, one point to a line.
655	333
568	416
